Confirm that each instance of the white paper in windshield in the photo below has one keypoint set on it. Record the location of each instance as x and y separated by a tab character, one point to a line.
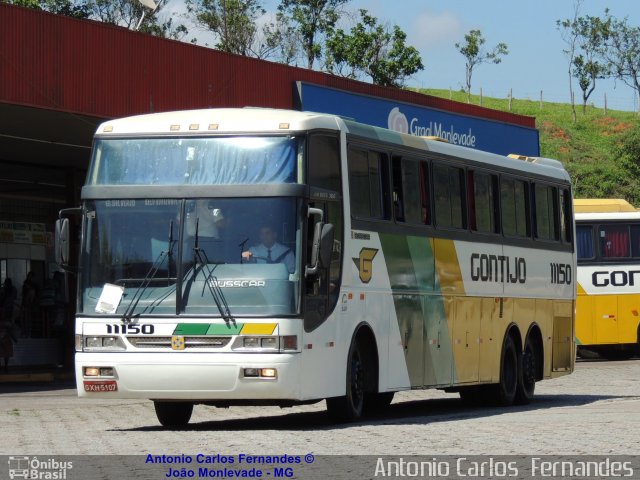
109	298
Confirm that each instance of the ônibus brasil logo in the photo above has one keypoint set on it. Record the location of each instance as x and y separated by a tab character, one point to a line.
397	121
32	468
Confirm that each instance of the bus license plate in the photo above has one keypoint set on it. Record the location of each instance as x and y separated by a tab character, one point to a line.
100	386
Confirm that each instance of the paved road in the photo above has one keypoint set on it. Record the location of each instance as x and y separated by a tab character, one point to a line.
594	411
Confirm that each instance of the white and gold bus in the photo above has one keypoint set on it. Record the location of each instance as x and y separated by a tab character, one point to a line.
608	303
255	256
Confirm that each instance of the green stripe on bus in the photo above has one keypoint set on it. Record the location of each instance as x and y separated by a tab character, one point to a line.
191	329
221	329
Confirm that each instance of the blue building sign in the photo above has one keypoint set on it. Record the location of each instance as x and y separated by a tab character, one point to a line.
482	134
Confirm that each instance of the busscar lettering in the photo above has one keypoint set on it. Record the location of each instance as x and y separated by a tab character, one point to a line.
498	268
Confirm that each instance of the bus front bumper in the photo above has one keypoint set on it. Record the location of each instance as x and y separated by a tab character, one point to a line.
190	376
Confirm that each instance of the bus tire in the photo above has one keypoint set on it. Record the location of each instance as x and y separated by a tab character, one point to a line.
350	407
527	368
173	414
505	391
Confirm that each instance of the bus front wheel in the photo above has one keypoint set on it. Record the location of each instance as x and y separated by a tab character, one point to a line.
350	406
173	414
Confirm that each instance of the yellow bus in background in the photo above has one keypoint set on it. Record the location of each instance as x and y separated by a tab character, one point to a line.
608	305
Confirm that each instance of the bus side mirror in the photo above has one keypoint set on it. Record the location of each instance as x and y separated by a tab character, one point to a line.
62	242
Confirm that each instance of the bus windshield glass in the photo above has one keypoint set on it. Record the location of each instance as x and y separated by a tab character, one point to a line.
195	161
174	256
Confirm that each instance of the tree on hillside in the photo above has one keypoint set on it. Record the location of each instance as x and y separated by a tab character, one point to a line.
570	37
474	54
312	19
623	51
374	50
232	21
586	38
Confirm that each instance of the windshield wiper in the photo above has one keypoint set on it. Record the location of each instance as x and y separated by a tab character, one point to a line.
211	281
151	273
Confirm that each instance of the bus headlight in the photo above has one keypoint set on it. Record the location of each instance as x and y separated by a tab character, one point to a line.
103	344
266	344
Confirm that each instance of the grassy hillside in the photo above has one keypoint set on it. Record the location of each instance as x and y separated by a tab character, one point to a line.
589	149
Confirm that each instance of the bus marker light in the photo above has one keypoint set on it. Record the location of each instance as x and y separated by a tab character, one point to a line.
194	126
108	128
309	346
634	313
213	126
100	386
174	128
268	372
350	296
289	342
283	126
91	372
362	296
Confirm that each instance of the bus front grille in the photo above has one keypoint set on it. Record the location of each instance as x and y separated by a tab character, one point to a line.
190	342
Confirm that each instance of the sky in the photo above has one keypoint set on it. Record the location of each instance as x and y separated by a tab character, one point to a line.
535	62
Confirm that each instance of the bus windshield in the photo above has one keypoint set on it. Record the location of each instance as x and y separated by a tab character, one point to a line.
174	254
195	161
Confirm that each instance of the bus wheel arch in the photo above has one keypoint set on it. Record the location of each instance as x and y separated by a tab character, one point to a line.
361	376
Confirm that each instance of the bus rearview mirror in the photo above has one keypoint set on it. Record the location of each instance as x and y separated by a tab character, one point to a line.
62	242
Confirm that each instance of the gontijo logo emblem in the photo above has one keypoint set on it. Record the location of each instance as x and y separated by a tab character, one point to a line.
397	121
364	263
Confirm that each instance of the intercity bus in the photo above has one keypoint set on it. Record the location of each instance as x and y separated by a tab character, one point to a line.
413	264
608	302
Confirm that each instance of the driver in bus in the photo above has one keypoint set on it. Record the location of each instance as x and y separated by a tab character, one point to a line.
270	251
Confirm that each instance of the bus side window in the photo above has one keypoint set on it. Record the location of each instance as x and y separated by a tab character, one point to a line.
448	188
482	202
514	207
566	220
584	242
614	241
324	162
410	191
546	212
368	184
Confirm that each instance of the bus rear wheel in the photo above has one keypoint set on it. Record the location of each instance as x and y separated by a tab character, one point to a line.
173	414
526	374
505	391
350	407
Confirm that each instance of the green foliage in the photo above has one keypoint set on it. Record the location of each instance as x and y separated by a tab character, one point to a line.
312	19
232	21
600	151
374	50
588	35
473	52
623	51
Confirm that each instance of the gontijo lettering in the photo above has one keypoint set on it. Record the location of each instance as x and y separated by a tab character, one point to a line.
498	268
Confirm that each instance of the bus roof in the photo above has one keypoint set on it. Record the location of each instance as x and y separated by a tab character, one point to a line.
602	205
248	119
